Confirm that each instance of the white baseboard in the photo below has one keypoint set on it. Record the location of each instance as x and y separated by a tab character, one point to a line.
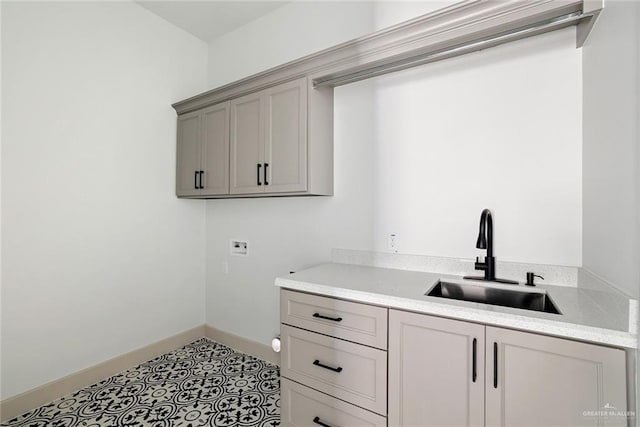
243	345
21	403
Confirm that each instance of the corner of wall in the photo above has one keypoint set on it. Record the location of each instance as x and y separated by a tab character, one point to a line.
611	162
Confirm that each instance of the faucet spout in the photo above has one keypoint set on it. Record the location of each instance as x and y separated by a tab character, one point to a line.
485	235
485	241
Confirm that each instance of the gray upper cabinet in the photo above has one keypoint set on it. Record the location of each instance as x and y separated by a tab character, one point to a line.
269	140
453	373
434	378
285	153
215	150
274	142
247	144
203	152
188	154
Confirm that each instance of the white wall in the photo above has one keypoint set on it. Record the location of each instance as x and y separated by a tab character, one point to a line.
499	129
288	234
286	34
98	255
404	146
611	154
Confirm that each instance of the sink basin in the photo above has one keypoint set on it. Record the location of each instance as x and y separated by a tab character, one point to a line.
529	299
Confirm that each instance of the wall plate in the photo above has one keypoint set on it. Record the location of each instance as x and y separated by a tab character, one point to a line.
239	247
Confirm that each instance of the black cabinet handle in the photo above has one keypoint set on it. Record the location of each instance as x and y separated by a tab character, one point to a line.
266	167
495	365
258	174
334	319
319	422
474	373
195	180
317	363
201	173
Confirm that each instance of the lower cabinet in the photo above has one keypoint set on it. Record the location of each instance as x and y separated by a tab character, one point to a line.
343	369
351	364
436	371
303	406
333	362
452	373
535	380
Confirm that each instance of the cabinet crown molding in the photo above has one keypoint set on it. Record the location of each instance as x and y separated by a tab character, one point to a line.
456	30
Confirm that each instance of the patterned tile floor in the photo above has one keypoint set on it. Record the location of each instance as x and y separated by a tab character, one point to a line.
201	384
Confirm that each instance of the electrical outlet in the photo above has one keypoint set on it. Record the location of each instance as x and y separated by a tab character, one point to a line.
393	242
239	247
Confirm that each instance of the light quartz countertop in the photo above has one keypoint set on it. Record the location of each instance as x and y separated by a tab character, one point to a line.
588	315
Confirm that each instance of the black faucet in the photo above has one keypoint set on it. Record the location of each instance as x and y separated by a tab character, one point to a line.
485	241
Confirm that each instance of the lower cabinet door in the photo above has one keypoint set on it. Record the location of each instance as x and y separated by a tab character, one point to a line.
303	406
436	371
535	380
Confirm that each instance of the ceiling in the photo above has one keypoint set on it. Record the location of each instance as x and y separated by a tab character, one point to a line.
209	19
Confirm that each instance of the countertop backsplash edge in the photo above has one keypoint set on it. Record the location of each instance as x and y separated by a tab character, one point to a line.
556	275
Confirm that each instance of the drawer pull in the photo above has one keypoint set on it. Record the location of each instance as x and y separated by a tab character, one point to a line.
495	365
319	422
334	319
317	363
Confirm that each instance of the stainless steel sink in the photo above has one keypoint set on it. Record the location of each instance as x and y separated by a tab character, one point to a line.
495	294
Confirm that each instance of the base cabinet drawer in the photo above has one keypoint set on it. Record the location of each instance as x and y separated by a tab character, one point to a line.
303	406
348	371
361	323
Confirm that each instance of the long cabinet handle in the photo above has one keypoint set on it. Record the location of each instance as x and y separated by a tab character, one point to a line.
474	372
201	173
266	180
320	316
317	363
318	421
258	173
195	180
495	365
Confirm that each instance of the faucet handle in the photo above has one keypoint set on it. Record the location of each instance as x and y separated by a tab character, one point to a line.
480	265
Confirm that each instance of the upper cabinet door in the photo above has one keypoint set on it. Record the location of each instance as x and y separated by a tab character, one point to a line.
215	150
286	137
188	154
247	145
535	380
436	371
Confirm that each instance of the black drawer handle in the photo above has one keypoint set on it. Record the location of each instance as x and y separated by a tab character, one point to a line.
319	422
266	180
317	363
473	367
495	365
258	173
195	180
334	319
201	173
